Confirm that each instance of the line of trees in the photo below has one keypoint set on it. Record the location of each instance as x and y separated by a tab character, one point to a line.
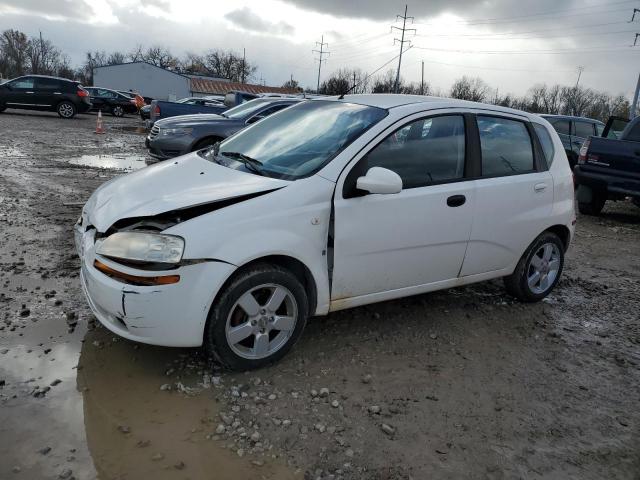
21	55
541	98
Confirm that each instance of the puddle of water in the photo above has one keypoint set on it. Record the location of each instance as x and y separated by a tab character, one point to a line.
118	162
12	152
140	130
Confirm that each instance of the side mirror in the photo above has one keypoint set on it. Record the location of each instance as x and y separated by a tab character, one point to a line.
380	180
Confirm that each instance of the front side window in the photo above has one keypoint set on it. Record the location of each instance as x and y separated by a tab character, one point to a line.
22	83
506	147
583	129
297	142
633	135
423	152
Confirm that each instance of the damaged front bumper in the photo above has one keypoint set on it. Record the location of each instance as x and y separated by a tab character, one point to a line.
169	315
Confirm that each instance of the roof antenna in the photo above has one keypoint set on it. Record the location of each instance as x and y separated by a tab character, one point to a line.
341	97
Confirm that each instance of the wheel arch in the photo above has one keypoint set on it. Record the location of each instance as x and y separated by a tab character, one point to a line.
295	266
563	232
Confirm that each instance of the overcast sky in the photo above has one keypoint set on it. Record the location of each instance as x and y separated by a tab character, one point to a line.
511	44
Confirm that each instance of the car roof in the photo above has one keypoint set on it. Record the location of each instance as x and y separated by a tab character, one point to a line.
389	101
570	117
48	76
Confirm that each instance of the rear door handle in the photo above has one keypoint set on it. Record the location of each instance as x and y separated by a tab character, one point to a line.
456	201
540	187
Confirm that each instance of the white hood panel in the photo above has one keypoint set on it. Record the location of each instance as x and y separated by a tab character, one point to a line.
174	184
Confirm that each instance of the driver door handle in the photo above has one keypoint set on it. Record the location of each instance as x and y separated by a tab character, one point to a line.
540	187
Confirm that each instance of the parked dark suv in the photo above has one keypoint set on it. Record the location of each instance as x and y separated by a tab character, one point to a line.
38	92
116	103
573	131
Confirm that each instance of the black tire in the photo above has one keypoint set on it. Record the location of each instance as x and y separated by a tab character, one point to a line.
66	109
225	307
595	206
205	142
517	284
117	111
2	108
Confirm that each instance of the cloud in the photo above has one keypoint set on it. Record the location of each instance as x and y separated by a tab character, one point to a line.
421	9
64	9
247	20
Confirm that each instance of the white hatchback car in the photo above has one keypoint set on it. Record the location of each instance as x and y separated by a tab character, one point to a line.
329	204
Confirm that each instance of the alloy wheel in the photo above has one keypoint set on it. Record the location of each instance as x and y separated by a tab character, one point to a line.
261	321
543	268
117	111
65	110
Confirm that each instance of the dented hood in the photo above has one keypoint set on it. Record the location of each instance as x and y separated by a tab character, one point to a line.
171	185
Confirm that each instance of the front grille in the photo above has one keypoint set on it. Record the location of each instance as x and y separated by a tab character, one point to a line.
155	130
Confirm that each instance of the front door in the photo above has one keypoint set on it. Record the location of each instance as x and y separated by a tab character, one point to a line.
395	242
21	93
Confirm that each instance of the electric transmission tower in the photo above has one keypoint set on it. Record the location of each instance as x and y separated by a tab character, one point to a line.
402	41
320	53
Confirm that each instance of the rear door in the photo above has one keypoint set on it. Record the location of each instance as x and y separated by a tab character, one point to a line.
514	194
391	243
48	91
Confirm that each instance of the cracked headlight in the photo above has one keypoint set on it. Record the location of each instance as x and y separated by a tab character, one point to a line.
143	247
165	132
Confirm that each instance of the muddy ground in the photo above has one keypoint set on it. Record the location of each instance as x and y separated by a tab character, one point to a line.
464	383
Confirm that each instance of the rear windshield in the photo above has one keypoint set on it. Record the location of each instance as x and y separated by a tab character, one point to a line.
297	141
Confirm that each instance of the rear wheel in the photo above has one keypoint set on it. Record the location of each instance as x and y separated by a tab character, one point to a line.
257	318
539	269
66	109
595	206
117	111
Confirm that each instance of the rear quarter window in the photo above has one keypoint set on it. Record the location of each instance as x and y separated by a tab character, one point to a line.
546	141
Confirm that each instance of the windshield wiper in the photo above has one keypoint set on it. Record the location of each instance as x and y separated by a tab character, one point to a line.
251	163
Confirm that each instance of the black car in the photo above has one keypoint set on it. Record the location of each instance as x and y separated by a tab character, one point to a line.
178	135
39	92
111	101
573	131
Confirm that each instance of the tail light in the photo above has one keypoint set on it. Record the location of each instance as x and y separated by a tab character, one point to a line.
82	93
133	100
156	111
583	151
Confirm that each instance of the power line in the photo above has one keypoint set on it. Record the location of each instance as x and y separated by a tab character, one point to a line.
401	41
611	48
320	53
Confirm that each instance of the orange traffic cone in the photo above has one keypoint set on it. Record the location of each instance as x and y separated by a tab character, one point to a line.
99	125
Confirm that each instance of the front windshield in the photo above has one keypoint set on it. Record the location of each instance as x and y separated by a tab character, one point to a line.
245	109
299	140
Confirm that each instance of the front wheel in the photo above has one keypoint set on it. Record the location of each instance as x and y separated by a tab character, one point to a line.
257	318
117	111
539	269
66	109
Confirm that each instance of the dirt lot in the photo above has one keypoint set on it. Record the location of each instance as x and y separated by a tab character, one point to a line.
464	383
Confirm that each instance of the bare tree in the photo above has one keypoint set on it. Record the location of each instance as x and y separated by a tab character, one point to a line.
473	89
13	53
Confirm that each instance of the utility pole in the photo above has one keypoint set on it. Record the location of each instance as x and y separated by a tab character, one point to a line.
580	70
354	81
634	106
320	52
422	80
244	57
402	41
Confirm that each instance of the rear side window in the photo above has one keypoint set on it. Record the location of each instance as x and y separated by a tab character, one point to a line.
563	127
423	152
583	129
506	147
48	84
546	141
